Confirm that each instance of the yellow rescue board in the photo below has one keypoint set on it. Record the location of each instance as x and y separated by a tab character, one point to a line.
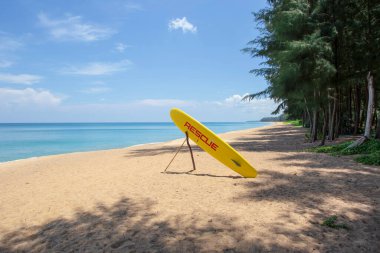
211	143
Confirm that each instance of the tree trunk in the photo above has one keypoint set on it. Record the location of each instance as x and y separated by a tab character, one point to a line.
363	115
357	109
314	131
337	129
349	130
304	119
332	120
308	114
324	128
329	117
370	112
371	106
378	126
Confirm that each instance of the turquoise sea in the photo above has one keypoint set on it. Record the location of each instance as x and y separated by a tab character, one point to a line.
24	140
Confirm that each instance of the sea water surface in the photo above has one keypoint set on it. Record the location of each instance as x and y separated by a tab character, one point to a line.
25	140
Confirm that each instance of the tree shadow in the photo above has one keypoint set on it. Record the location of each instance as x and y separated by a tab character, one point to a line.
128	226
201	174
276	138
311	186
141	152
319	186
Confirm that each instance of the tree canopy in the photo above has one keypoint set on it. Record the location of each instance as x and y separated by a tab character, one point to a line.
318	58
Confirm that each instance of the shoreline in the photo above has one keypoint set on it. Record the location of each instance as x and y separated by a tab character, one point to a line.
136	145
77	152
120	200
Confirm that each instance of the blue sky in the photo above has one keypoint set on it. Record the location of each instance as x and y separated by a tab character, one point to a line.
120	60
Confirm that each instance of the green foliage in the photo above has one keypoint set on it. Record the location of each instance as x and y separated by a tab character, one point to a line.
296	122
331	222
369	151
316	56
371	159
367	147
331	149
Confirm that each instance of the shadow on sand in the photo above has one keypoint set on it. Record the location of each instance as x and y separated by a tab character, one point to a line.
320	181
312	191
263	140
130	227
200	174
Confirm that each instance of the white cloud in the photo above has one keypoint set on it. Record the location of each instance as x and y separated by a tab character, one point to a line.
98	68
229	109
5	64
235	99
20	78
73	28
8	44
165	102
27	97
182	23
120	47
17	106
96	90
258	106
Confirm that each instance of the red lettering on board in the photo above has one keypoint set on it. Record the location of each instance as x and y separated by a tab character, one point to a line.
214	146
201	136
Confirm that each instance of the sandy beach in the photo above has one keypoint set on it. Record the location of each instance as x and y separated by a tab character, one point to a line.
120	201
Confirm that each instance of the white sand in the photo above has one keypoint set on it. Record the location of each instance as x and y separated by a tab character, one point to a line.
119	201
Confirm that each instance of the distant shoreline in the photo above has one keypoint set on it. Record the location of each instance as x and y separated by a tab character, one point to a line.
126	147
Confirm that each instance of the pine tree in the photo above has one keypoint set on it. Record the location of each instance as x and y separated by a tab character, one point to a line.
317	55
